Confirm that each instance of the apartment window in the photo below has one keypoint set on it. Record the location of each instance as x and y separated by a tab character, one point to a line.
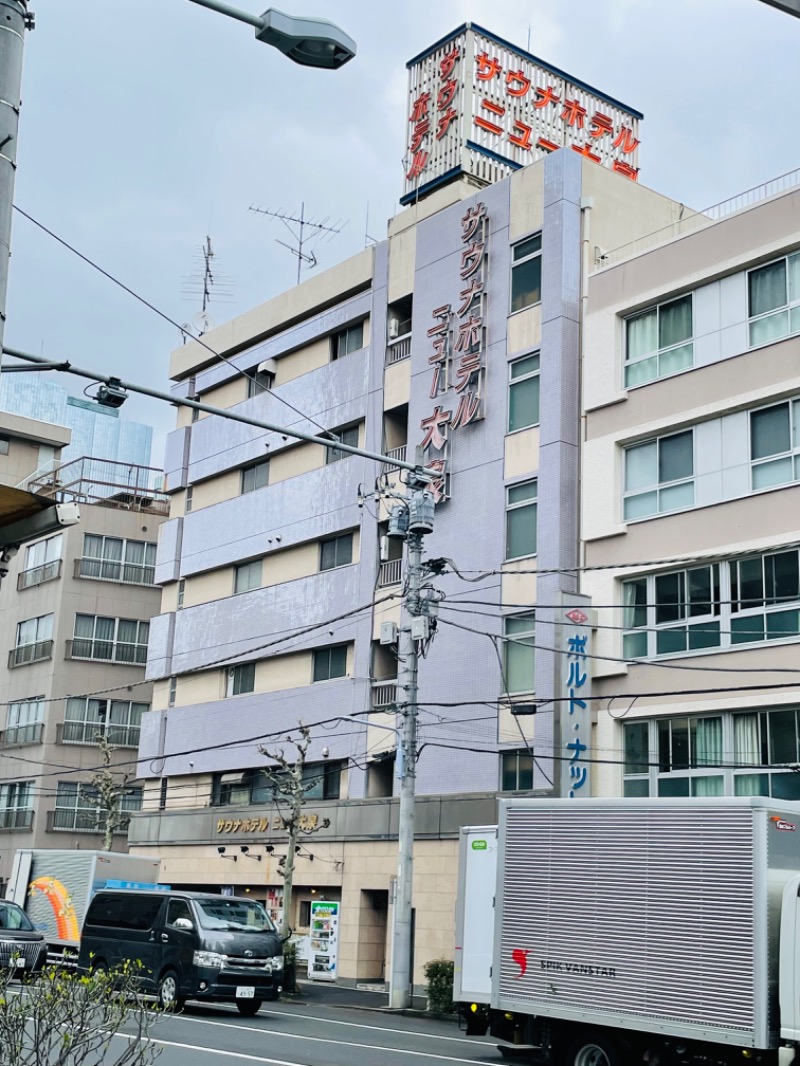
733	754
521	520
658	341
518	653
16	805
189	499
131	562
258	381
255	476
240	679
516	771
526	273
347	340
753	599
77	808
523	393
775	444
24	721
321	781
346	436
34	641
5	444
336	551
774	300
247	576
42	562
330	663
119	721
659	476
118	640
181	592
173	691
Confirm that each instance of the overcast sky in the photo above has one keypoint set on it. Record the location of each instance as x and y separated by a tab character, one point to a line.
149	124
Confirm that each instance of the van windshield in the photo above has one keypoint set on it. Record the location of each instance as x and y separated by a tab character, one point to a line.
13	917
234	915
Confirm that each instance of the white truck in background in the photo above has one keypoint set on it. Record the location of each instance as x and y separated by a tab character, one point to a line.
659	931
54	889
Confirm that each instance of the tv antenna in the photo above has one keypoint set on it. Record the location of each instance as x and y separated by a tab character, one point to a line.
205	281
298	228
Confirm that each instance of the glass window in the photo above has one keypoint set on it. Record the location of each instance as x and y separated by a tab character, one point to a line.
516	771
519	653
240	679
658	341
775	444
189	499
523	393
521	520
173	691
774	300
5	444
16	796
258	381
637	747
247	576
336	551
659	475
35	630
348	340
87	719
122	640
330	663
255	476
114	559
181	592
526	273
346	436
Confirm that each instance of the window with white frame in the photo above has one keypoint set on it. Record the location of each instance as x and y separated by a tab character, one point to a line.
24	721
346	436
78	809
131	562
519	632
247	576
521	507
717	606
774	300
329	663
775	444
659	475
516	771
16	805
173	691
34	640
347	340
181	592
42	561
736	753
240	679
526	273
119	721
255	476
189	499
523	393
658	341
118	640
336	551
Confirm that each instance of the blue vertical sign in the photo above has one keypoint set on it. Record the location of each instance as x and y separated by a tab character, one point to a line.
576	712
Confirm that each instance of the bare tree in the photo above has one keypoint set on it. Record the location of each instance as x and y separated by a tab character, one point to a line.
68	1019
290	788
107	790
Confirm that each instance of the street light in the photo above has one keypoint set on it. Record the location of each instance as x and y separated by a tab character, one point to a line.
791	7
310	42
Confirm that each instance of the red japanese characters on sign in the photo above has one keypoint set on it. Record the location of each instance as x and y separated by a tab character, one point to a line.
432	114
458	343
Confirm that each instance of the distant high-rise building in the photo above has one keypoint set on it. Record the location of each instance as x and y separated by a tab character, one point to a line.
97	431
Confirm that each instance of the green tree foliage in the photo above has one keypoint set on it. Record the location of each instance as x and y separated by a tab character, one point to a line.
439	974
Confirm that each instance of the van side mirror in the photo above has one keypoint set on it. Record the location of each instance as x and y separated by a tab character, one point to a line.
183	923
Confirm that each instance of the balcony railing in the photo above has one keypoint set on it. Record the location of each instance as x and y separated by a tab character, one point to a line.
106	482
110	570
398	349
398	454
30	653
37	575
16	819
106	651
122	736
390	572
16	735
384	694
66	819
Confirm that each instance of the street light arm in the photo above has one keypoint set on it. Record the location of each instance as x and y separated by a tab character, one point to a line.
232	12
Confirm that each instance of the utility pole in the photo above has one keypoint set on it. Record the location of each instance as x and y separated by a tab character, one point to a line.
14	21
409	521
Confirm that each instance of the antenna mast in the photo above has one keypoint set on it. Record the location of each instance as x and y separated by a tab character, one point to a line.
300	236
202	283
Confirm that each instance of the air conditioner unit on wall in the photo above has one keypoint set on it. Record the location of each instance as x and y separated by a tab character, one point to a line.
394	329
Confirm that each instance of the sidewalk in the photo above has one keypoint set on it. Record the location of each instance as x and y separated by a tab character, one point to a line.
361	997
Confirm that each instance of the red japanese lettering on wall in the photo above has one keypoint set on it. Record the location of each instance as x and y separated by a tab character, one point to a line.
432	113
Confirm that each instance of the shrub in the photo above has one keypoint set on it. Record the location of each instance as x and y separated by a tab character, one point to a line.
439	973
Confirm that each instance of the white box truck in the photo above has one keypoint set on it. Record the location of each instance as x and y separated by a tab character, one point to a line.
477	874
660	931
54	888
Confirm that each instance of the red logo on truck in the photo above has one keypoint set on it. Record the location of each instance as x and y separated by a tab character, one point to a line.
520	957
781	824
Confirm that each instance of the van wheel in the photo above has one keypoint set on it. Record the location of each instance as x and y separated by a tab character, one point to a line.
168	998
248	1007
597	1050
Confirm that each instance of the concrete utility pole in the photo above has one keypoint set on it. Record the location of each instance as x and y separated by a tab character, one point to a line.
409	521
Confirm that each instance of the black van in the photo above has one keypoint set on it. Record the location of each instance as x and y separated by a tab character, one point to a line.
190	945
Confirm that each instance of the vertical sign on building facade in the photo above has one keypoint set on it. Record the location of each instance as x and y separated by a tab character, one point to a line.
457	352
323	947
575	669
479	106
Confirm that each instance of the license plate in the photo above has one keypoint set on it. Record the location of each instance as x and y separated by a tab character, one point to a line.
19	963
245	992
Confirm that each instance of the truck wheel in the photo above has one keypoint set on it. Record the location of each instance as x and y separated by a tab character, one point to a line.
248	1007
168	998
597	1051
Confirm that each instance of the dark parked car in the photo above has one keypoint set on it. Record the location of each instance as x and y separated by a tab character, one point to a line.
21	946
